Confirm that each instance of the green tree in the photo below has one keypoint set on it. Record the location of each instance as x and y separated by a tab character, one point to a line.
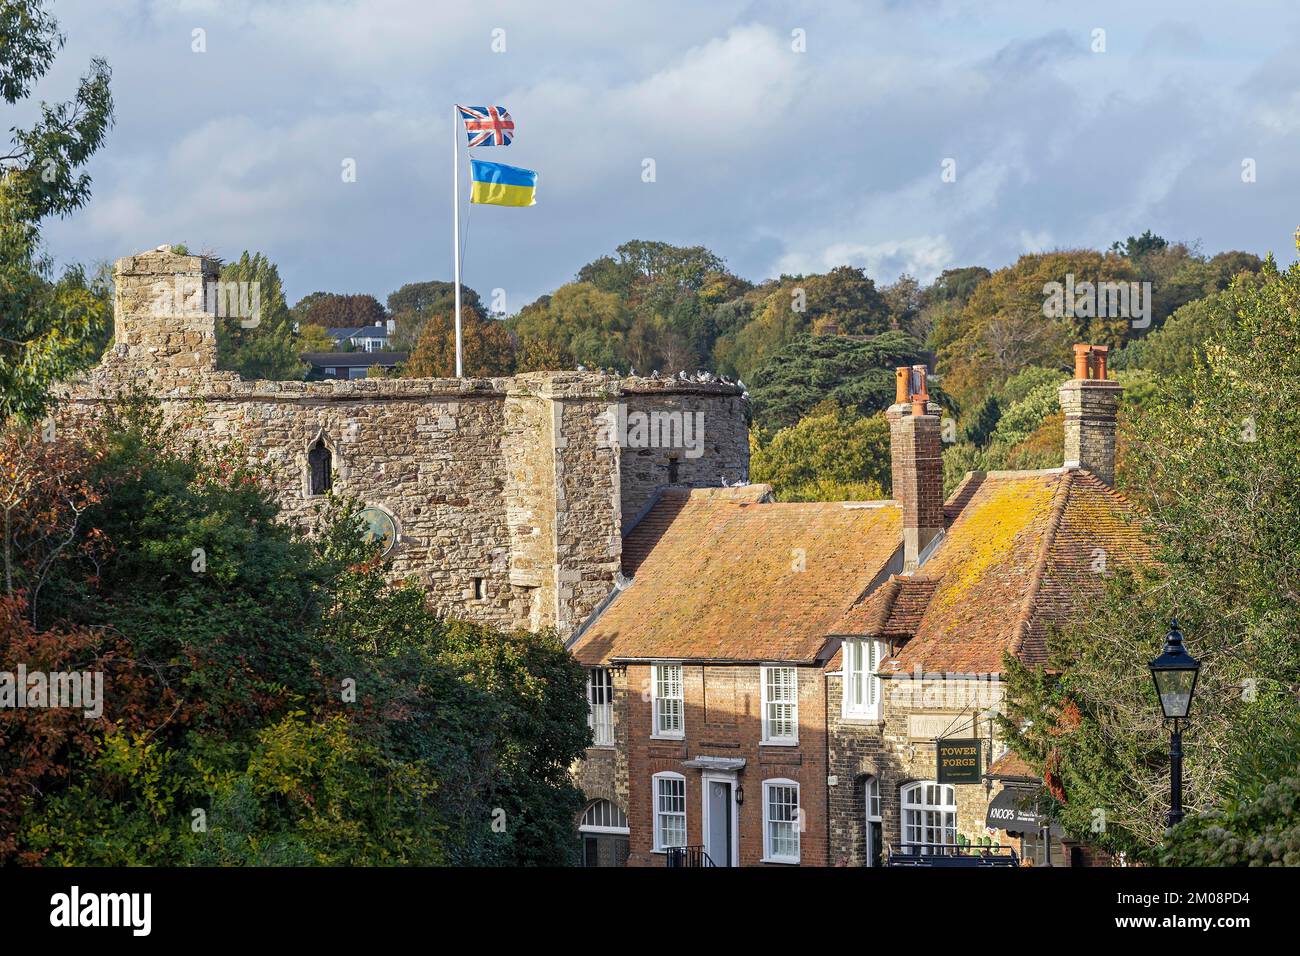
1136	247
415	303
43	166
1178	273
670	294
940	322
1257	820
578	319
317	713
487	348
1213	462
843	301
854	372
314	338
1003	326
267	349
832	454
49	328
1181	342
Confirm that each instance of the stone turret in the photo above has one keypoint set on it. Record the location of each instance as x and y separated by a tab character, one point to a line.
165	323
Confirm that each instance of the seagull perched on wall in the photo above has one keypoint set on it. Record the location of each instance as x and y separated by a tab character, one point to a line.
632	372
655	375
582	368
681	376
742	386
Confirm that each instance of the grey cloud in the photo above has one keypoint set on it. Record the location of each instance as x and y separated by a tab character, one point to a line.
774	159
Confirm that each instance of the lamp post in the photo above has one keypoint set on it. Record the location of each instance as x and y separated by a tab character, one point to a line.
1174	674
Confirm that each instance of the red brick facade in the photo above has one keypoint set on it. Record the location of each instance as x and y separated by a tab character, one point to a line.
723	718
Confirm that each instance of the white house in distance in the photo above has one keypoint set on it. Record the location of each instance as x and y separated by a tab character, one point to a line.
364	338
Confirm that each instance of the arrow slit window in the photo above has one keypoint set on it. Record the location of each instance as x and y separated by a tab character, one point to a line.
319	468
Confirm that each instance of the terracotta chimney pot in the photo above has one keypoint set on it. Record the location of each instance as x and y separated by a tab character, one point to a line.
1081	360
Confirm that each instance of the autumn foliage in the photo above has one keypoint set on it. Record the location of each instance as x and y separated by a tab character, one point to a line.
270	698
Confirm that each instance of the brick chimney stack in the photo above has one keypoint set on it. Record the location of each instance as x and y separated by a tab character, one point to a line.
917	462
1090	402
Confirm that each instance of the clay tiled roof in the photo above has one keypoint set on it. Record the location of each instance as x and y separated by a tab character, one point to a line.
1020	555
643	535
1093	533
892	611
1012	766
728	577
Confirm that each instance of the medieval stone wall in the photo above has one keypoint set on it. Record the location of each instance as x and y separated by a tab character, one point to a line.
714	446
508	494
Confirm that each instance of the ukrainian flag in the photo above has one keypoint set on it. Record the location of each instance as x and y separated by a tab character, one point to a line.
500	185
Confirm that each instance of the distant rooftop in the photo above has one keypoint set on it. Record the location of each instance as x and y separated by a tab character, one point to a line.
354	359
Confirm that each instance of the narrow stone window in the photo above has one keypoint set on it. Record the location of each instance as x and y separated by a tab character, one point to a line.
319	468
480	589
672	471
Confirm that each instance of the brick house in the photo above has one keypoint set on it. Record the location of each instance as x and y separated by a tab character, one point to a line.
714	655
770	682
921	658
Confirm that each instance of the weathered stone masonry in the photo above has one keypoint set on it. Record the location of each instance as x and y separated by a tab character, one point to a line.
509	494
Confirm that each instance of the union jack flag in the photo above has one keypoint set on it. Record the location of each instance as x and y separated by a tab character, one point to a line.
487	125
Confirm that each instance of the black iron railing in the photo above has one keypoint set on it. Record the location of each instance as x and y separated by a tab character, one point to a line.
951	854
688	856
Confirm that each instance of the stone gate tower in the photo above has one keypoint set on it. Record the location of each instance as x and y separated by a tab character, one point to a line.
509	496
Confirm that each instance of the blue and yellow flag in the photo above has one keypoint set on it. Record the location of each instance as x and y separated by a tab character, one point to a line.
500	185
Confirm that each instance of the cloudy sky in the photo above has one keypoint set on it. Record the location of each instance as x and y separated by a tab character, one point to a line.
786	137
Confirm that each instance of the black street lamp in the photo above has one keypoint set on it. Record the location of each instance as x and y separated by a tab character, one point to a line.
1174	673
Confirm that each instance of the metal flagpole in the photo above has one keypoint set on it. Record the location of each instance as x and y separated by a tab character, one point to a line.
455	224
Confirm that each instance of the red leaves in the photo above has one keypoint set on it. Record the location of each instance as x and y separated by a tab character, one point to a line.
45	491
40	746
1052	776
